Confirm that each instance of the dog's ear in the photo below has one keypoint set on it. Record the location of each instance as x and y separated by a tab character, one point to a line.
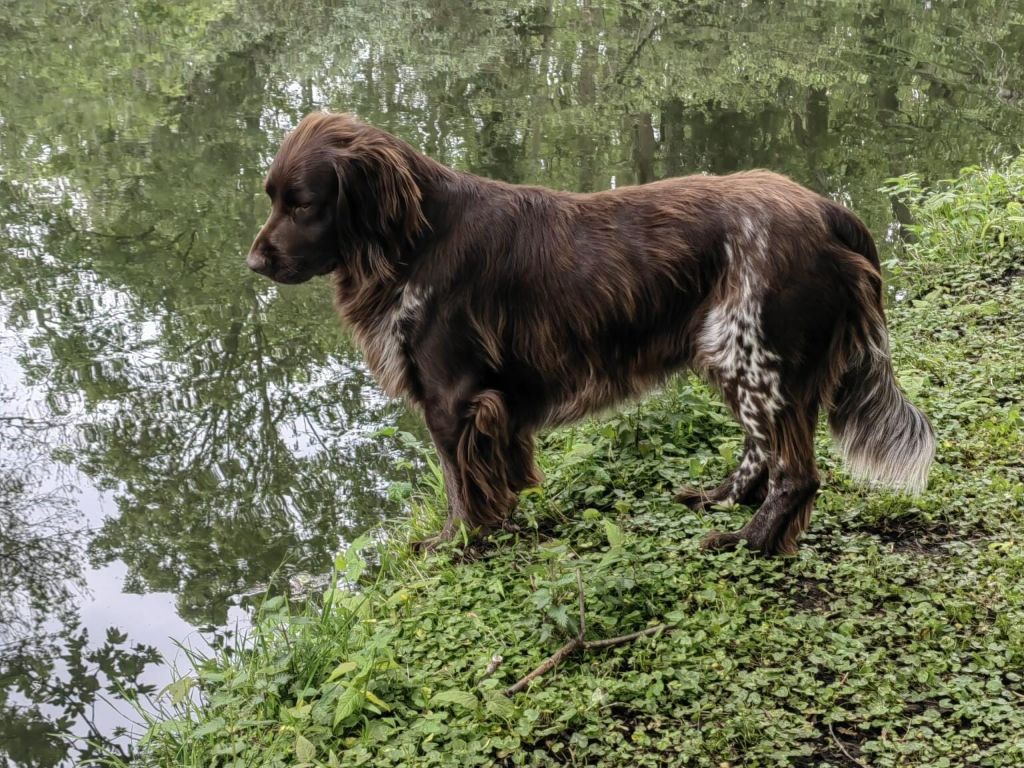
377	190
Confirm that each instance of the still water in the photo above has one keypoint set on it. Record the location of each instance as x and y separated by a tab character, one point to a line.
176	432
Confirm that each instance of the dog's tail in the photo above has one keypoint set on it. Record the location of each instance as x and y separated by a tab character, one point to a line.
883	437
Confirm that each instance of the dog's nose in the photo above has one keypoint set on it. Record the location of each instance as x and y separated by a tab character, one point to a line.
257	261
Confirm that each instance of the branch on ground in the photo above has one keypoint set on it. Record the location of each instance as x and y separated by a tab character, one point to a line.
579	644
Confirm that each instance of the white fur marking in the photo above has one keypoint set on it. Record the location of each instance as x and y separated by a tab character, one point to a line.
748	468
731	341
383	341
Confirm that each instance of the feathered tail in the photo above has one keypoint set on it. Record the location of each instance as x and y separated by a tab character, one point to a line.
884	438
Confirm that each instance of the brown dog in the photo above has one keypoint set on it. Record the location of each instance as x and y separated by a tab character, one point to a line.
500	309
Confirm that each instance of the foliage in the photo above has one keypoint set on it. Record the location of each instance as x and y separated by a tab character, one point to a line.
52	677
37	530
894	638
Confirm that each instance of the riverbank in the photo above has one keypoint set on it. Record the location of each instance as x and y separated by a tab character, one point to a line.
894	638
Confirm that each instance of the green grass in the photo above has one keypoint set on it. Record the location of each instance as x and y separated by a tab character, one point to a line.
894	638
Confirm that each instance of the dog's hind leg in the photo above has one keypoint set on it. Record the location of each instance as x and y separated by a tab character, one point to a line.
748	382
792	484
747	484
778	468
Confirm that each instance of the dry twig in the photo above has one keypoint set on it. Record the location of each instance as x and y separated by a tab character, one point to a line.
578	644
842	747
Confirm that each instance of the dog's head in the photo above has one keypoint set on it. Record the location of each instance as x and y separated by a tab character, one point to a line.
343	195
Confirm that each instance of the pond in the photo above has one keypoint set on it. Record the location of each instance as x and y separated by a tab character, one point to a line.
176	433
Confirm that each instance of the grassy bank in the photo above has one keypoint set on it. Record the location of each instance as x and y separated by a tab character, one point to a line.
894	638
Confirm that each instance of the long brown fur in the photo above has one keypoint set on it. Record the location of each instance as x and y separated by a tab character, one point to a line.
500	309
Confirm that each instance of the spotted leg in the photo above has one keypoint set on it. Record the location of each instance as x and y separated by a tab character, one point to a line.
747	484
792	484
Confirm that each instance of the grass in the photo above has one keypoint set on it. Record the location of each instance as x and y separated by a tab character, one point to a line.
894	638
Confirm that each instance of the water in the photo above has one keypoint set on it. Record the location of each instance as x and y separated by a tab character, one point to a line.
175	431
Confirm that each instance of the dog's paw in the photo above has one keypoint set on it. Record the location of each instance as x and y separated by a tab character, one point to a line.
694	498
457	550
427	546
721	540
509	527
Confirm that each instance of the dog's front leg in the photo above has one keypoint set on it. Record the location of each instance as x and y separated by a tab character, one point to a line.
446	417
444	433
482	462
458	517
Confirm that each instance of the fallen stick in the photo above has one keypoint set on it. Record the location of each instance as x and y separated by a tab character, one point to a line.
610	641
842	747
546	666
576	644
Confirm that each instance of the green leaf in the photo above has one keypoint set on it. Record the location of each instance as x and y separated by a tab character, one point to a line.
272	604
462	698
374	699
351	562
342	669
350	702
674	617
559	615
696	467
726	450
616	538
179	689
499	704
209	727
300	711
304	749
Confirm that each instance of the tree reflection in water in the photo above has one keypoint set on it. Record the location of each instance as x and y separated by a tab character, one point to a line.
52	674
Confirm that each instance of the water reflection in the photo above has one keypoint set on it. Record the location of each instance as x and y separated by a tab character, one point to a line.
53	676
229	424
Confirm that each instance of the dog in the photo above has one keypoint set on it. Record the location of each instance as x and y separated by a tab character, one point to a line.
500	309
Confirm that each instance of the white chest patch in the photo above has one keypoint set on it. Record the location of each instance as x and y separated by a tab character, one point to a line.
384	341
